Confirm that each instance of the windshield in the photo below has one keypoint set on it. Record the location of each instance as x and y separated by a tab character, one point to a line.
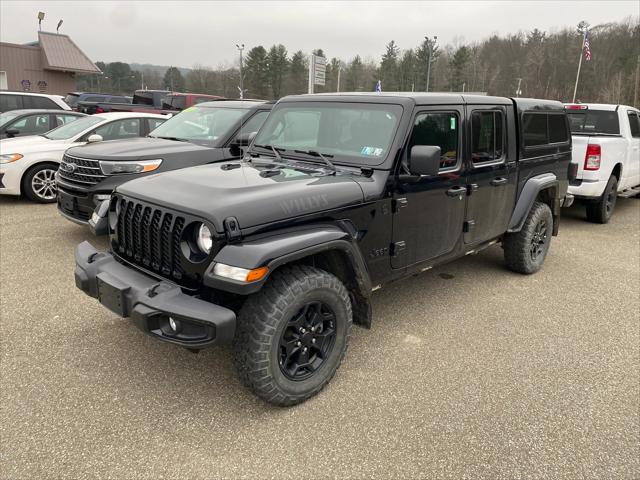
71	99
201	124
353	132
71	129
7	117
586	122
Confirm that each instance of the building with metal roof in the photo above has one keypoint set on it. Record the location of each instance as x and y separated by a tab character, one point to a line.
48	65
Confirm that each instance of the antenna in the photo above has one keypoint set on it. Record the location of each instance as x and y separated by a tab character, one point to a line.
58	27
40	18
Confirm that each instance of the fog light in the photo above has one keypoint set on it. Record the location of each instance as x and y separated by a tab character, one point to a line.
173	324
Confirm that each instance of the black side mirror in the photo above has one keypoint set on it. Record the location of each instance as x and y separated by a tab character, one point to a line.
12	132
244	139
425	160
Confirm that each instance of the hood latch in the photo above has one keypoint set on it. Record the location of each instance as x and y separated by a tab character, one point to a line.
232	229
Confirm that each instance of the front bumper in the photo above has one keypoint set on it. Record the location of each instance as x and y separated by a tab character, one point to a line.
75	206
11	178
150	302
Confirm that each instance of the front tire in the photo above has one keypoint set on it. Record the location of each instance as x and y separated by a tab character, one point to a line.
39	183
525	251
292	335
601	210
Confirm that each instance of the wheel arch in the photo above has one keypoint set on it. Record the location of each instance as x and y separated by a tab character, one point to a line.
541	188
617	171
329	247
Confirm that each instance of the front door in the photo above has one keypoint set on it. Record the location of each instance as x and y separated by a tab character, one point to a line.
492	175
428	214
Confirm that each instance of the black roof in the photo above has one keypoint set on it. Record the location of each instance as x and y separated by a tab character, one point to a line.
423	98
225	103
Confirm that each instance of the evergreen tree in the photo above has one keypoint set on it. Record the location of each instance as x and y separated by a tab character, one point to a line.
173	80
256	73
298	74
278	65
389	67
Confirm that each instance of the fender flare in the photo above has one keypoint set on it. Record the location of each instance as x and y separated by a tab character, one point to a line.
530	191
280	248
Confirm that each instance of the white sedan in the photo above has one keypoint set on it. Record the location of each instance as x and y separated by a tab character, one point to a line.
28	164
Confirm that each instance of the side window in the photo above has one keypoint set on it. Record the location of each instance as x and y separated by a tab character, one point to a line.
441	130
153	123
94	99
64	119
558	131
39	102
10	102
487	133
634	123
534	129
255	122
118	100
32	124
120	129
201	100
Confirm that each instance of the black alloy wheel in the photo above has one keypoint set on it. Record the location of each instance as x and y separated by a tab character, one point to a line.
538	240
307	341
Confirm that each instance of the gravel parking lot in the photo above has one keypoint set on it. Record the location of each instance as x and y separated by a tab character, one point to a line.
469	371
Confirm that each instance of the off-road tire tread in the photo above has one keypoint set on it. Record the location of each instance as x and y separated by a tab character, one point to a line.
257	323
516	244
596	211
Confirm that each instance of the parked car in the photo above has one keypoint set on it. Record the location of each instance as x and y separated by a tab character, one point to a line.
209	132
28	164
76	100
150	101
341	195
20	100
18	123
606	154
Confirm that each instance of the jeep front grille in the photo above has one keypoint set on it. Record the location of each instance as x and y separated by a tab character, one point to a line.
80	171
150	237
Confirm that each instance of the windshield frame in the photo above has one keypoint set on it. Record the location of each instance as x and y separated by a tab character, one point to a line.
77	133
219	142
384	161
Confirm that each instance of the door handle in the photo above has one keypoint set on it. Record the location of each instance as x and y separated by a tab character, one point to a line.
456	191
496	182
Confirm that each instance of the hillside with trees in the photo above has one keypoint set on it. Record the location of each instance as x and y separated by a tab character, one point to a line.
545	64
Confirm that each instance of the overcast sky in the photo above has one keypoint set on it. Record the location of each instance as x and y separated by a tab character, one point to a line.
185	33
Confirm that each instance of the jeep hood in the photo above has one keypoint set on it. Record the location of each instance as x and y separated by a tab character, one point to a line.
143	148
254	193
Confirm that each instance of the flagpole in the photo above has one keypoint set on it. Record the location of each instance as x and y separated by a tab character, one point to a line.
584	37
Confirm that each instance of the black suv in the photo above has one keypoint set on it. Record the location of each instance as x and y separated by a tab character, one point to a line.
206	133
338	195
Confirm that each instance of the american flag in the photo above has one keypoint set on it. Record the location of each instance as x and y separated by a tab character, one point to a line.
586	47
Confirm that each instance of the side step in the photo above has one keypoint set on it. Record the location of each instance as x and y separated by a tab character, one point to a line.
630	192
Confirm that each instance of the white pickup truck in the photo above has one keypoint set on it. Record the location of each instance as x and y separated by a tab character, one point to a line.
606	149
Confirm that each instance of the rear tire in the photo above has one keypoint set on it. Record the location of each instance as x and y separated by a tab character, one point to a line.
39	183
525	251
601	210
292	335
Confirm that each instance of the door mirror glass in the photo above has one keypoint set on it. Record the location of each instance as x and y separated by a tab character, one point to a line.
12	132
425	160
94	138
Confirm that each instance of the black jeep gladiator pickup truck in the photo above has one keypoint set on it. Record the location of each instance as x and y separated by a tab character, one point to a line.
338	195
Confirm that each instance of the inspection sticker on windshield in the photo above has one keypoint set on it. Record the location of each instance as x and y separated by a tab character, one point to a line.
371	151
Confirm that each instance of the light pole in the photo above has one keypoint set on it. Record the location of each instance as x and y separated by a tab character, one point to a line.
240	49
518	91
430	44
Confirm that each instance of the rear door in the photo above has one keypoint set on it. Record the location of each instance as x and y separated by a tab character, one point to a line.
428	214
492	174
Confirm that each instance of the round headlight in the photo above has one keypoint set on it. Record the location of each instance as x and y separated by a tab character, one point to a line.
205	239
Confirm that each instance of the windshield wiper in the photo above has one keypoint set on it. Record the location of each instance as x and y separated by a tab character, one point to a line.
276	151
324	158
175	139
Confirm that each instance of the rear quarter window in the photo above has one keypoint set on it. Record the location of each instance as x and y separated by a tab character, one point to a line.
540	128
